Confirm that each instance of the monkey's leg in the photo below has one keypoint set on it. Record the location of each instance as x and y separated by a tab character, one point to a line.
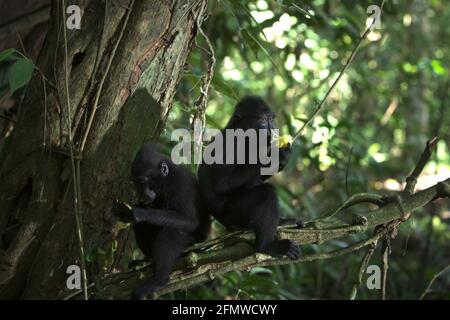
166	249
257	210
265	231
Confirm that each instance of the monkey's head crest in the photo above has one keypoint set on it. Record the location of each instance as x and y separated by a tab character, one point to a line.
252	105
251	113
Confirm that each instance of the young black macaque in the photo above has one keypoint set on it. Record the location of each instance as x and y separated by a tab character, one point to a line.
169	216
237	195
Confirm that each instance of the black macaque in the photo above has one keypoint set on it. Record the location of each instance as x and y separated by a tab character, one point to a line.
237	194
169	216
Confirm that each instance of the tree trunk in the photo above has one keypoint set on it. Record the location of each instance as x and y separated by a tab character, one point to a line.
122	70
416	108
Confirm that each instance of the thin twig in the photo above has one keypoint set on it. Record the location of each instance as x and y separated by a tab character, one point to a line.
411	181
102	80
347	170
77	292
8	118
385	251
363	197
362	267
341	73
392	227
437	275
75	174
442	108
201	103
80	115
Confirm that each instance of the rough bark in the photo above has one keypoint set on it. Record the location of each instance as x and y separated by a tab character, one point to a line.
37	216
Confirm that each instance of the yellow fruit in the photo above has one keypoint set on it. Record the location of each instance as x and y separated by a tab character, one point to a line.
284	141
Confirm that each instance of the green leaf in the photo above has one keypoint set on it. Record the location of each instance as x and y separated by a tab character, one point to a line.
222	87
212	123
20	73
301	10
6	53
239	5
409	68
437	67
260	270
255	45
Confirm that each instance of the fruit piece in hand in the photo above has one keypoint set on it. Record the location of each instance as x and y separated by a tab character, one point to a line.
284	141
123	211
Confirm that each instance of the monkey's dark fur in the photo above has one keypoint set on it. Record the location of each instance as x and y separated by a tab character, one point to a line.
169	216
237	194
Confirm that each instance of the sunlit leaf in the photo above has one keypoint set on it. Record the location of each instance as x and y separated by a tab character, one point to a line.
260	270
301	10
256	45
239	5
437	67
220	86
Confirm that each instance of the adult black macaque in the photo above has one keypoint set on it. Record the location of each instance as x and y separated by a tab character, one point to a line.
237	194
169	216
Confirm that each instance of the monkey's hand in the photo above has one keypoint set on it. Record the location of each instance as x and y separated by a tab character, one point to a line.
137	263
284	155
123	211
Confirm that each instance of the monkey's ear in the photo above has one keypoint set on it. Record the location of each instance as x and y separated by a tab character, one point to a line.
164	169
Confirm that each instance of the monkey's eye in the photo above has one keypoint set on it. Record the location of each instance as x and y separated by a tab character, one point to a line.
164	169
265	119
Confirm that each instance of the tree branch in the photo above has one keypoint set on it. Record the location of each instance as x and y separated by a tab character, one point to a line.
233	252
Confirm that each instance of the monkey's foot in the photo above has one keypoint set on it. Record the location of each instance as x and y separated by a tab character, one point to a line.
283	247
148	289
293	250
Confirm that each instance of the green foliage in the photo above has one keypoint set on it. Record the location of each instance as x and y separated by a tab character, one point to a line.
368	137
20	68
20	73
5	54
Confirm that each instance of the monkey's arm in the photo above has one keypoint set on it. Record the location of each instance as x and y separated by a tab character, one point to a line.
164	218
284	155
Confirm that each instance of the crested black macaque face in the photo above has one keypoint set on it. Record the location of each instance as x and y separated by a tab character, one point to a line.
149	172
252	113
